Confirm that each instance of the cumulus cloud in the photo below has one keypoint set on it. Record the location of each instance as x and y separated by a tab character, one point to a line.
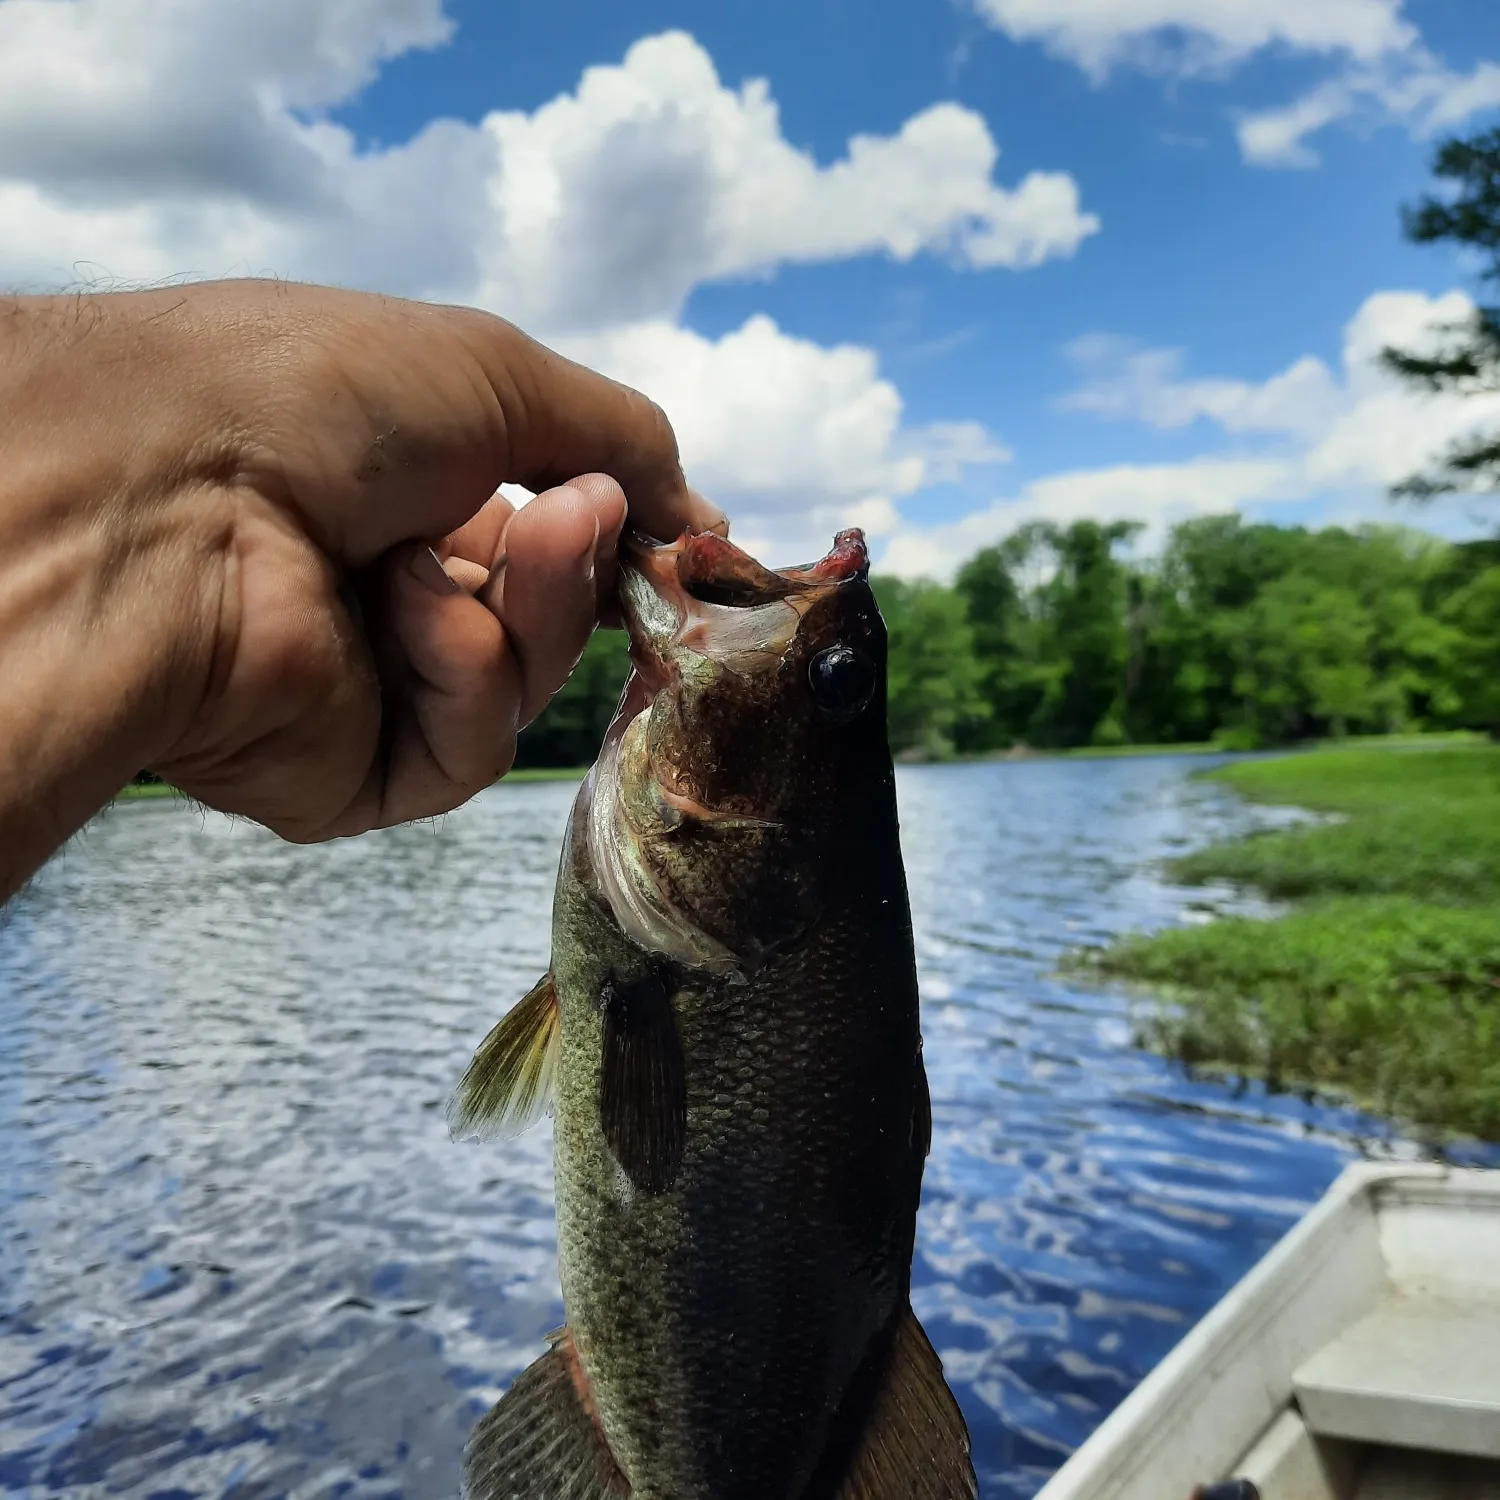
1123	379
145	140
109	99
1156	494
1385	429
1382	69
1194	35
1278	137
948	450
654	176
1307	437
154	138
1360	424
796	440
1411	86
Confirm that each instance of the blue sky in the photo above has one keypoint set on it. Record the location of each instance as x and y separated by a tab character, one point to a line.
866	347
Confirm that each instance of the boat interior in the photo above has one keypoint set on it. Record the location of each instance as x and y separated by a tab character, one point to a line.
1403	1403
1359	1361
1292	1463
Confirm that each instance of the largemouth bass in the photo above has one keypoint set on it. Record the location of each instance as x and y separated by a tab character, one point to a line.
728	1037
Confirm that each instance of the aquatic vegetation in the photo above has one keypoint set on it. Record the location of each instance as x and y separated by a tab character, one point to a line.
1384	980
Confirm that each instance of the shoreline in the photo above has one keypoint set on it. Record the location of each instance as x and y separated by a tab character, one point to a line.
1380	985
152	791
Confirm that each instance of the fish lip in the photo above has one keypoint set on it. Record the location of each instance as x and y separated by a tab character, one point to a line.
653	603
847	561
701	564
666	597
653	615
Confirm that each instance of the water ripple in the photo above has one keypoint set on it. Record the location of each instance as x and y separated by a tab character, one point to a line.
243	1259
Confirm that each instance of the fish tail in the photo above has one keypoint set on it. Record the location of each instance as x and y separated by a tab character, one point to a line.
912	1443
540	1441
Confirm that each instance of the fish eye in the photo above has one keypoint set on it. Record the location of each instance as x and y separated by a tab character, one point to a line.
843	682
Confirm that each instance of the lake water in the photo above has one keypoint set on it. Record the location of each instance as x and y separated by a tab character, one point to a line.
240	1256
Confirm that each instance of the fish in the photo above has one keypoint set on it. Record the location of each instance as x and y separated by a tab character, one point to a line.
728	1038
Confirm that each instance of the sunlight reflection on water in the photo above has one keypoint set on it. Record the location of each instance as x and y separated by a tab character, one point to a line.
242	1257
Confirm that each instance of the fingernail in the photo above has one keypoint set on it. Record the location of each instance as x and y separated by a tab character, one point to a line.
711	518
429	572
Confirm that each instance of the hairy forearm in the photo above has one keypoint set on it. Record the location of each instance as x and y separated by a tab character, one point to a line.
106	562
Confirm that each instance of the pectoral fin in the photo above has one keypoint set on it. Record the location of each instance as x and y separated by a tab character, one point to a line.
642	1083
539	1442
509	1085
913	1444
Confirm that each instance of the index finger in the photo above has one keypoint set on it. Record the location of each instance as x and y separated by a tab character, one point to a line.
562	419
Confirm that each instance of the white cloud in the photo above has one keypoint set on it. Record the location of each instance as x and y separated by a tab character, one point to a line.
1451	98
1387	430
653	176
105	95
795	440
1155	494
1309	439
1192	35
1124	380
153	138
1362	425
761	415
1278	137
949	449
1411	86
1382	69
146	140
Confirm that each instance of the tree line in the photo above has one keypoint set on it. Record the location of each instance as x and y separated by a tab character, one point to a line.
1240	633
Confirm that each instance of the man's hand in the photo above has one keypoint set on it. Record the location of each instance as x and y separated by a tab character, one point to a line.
247	539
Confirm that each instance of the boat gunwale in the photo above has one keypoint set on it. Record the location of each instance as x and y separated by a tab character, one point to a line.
1130	1443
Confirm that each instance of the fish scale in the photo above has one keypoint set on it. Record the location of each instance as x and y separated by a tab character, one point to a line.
729	1036
756	1283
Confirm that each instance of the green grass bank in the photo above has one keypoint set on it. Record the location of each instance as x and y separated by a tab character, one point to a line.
1382	983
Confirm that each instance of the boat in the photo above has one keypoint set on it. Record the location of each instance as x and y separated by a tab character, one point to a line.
1359	1360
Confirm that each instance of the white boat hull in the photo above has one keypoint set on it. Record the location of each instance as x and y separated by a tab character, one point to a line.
1360	1357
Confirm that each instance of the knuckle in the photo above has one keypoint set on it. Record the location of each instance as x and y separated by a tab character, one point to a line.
654	426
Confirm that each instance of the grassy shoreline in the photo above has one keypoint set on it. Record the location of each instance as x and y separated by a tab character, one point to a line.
526	774
1205	747
1382	983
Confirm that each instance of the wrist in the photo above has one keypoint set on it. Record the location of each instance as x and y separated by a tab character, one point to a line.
111	562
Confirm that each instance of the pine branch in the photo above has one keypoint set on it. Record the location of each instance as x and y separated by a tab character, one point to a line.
1472	466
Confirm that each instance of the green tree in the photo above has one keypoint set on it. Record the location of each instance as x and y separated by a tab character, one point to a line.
934	675
1467	358
1084	607
1004	639
1474	613
1249	633
569	731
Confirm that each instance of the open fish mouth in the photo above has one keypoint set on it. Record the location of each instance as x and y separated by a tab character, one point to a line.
697	604
704	593
710	569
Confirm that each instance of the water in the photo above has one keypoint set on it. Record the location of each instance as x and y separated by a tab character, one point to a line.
241	1257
